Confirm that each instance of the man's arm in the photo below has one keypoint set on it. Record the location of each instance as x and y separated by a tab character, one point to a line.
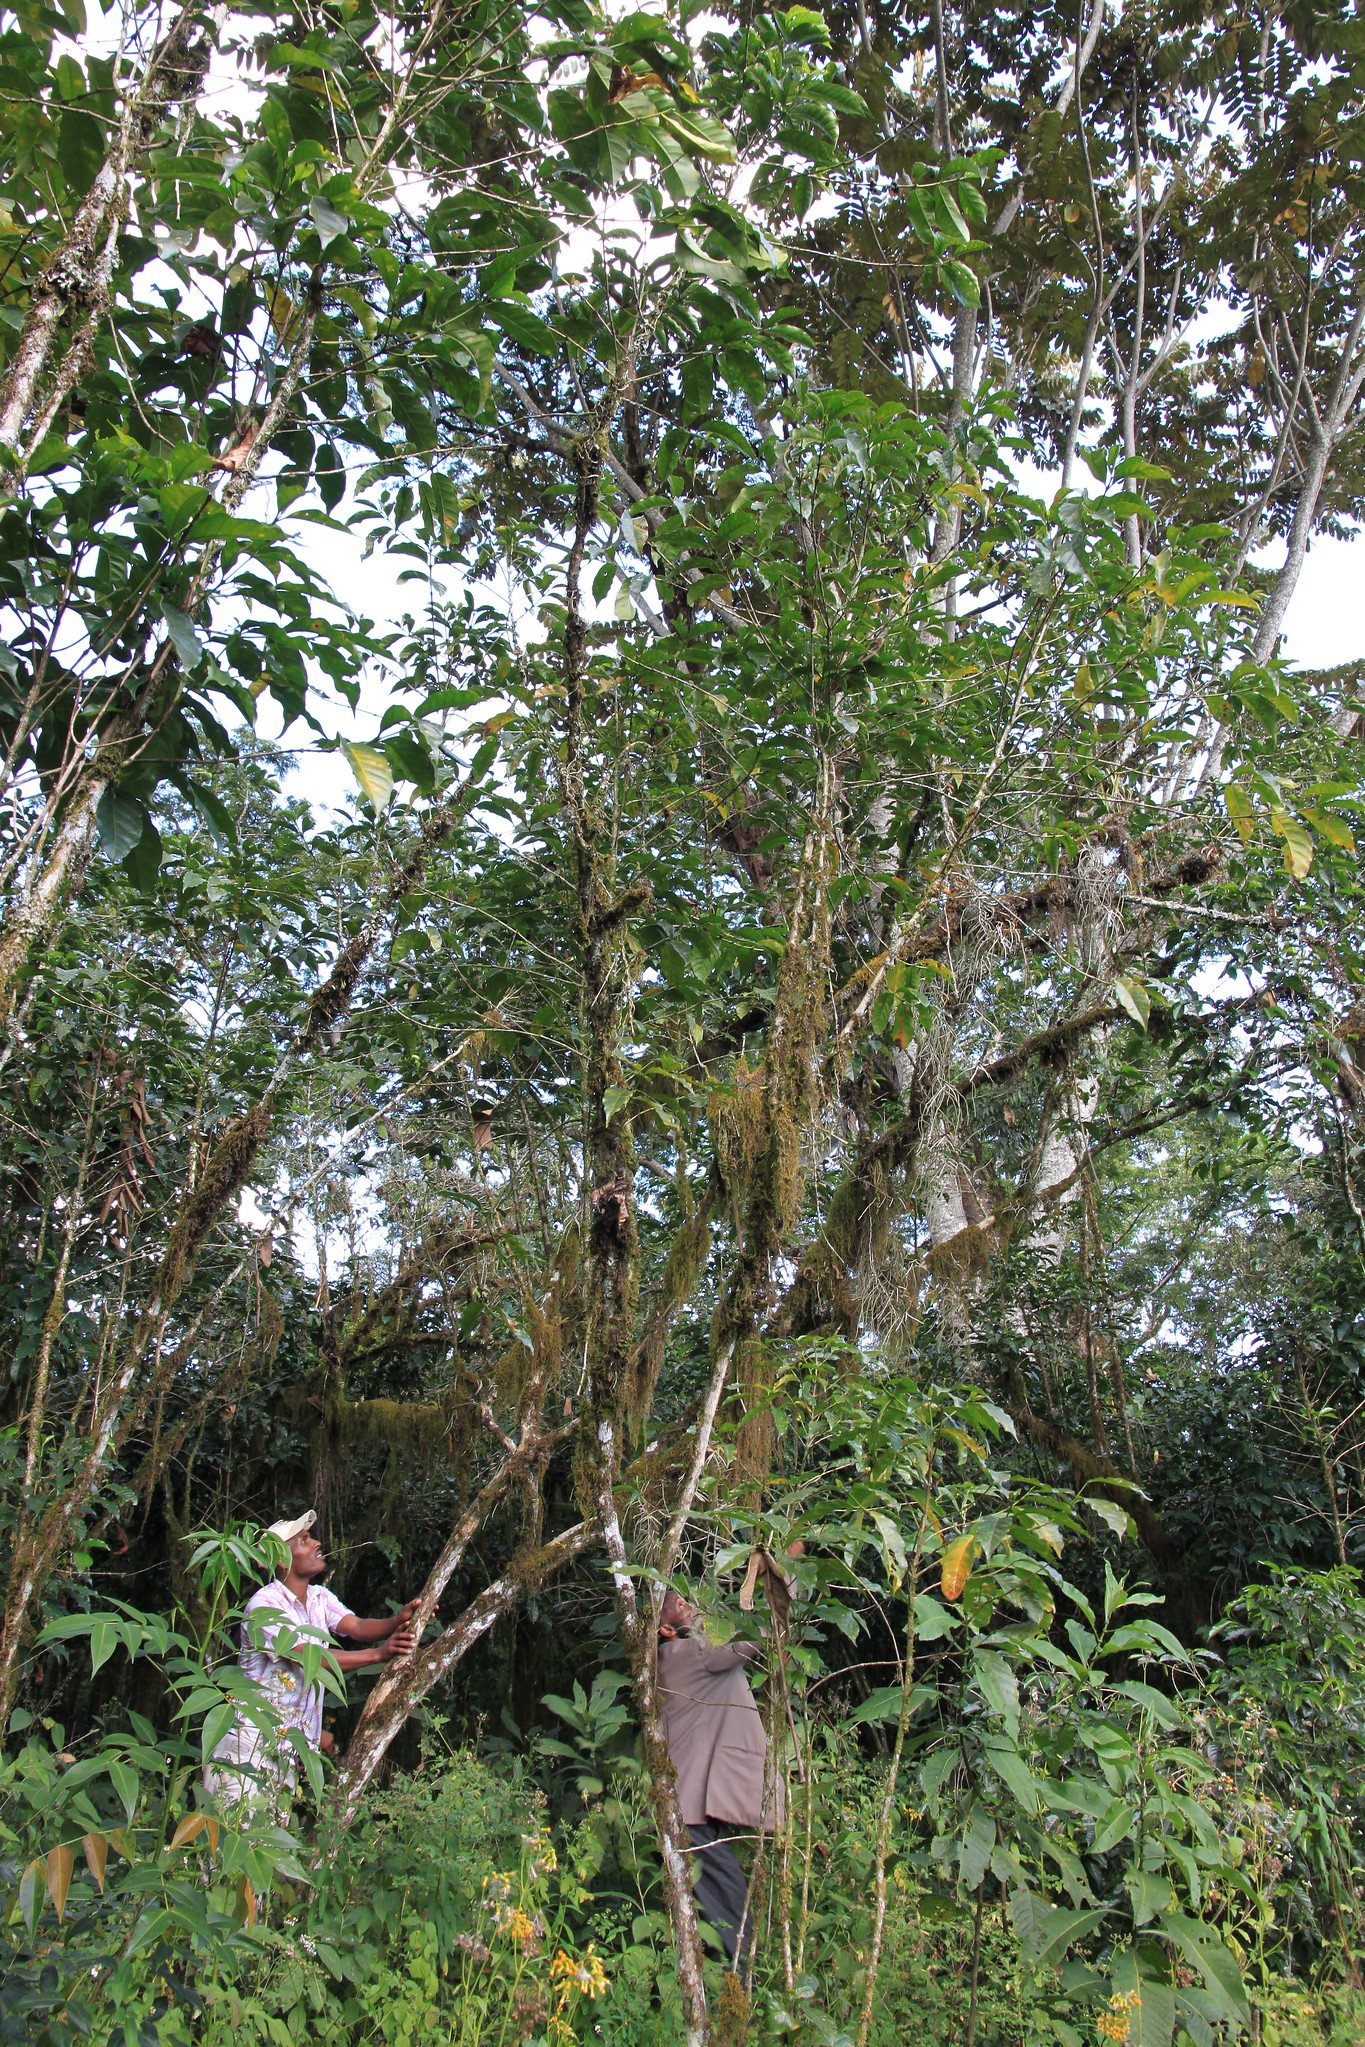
351	1628
727	1655
396	1642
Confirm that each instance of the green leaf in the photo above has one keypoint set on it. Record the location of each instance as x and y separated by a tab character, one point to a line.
121	820
1150	1894
976	1847
1113	1516
105	1636
330	476
180	629
1116	1826
1047	1931
125	1783
998	1684
1151	2022
143	862
1163	1710
524	327
885	1704
1202	1948
214	812
483	760
371	769
933	1620
1005	1759
327	219
216	1726
410	759
32	1884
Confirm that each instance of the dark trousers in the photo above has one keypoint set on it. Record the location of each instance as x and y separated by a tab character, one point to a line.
720	1886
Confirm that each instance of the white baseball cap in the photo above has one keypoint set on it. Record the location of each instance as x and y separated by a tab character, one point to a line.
287	1530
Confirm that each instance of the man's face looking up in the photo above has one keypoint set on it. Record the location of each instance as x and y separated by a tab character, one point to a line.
308	1559
678	1616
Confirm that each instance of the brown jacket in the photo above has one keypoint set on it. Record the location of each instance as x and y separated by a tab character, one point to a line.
714	1731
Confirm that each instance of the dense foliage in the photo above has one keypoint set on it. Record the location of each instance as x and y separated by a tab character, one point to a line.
832	1018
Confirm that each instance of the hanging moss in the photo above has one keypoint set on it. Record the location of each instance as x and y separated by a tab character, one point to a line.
271	1326
964	1257
682	1268
409	1426
756	1436
861	1212
738	1120
224	1174
820	1296
732	2011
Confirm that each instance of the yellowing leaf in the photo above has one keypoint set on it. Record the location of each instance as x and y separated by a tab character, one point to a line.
1298	847
957	1565
1240	811
371	770
1334	829
283	313
1134	998
60	1863
96	1855
189	1828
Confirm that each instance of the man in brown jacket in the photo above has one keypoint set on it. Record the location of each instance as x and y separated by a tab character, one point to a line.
716	1738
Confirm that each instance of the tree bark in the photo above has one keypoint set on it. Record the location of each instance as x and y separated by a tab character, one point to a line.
674	1841
404	1685
78	277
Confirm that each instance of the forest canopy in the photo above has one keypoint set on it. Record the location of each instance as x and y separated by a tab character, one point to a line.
821	1062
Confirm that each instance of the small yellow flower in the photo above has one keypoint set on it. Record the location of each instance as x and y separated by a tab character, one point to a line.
583	1973
1115	2021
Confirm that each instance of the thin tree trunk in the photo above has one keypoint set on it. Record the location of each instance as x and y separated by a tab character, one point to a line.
56	1310
53	867
888	1805
172	74
78	277
674	1841
1326	1465
1326	437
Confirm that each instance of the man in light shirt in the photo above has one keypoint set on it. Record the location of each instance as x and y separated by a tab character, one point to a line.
286	1627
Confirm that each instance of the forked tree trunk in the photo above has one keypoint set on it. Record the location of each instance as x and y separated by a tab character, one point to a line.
404	1685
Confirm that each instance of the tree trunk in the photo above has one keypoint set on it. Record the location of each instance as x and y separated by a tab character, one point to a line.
77	280
404	1685
674	1841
